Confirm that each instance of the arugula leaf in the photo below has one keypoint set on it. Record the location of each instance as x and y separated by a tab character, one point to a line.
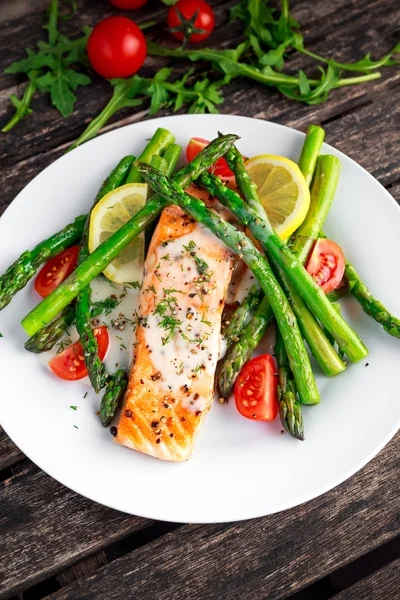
203	96
49	69
365	65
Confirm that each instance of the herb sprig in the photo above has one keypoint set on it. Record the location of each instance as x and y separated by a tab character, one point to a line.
52	68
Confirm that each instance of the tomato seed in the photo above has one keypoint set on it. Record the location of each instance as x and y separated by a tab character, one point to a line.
72	368
253	403
245	403
81	357
76	363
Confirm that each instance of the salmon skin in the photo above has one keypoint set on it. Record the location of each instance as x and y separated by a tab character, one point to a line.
171	385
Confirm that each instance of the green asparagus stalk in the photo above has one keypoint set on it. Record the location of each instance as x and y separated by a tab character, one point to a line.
254	217
159	142
24	268
369	303
166	164
309	326
171	155
242	245
83	321
47	337
290	410
44	312
310	151
239	354
322	193
159	163
242	315
113	395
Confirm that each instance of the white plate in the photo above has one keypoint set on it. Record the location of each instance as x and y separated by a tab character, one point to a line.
240	469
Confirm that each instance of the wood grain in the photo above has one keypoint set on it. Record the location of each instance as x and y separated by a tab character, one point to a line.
264	558
9	453
383	585
45	527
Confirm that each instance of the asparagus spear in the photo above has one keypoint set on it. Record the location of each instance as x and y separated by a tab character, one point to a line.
159	163
113	395
252	335
254	217
290	410
371	305
24	268
171	155
83	321
310	151
166	164
160	140
241	352
242	245
242	315
47	337
310	328
322	193
44	312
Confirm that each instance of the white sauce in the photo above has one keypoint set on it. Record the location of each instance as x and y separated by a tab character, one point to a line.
182	356
245	284
120	350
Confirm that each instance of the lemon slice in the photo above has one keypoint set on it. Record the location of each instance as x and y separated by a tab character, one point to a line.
109	215
282	190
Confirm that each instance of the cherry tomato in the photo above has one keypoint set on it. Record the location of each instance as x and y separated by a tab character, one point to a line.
255	389
116	47
220	168
70	364
180	20
56	270
326	264
128	4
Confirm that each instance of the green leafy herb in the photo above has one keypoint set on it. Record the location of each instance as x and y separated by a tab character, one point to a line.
202	96
76	427
51	68
75	407
104	306
135	284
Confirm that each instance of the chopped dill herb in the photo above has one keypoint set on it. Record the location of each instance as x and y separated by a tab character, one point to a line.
134	284
74	407
105	306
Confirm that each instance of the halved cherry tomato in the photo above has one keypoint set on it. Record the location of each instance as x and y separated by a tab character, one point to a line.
326	264
70	364
180	20
220	168
255	389
128	4
56	270
116	47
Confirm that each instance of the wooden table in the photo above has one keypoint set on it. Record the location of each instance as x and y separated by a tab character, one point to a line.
57	544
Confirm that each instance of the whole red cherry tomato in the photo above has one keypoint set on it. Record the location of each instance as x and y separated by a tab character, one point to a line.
116	47
191	20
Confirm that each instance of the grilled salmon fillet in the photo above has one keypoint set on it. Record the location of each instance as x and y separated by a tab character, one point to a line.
171	385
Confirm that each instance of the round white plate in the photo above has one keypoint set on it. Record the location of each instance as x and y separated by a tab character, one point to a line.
240	469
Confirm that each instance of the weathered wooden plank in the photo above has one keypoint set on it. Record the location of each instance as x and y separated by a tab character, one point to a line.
47	129
9	453
383	585
46	527
264	558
